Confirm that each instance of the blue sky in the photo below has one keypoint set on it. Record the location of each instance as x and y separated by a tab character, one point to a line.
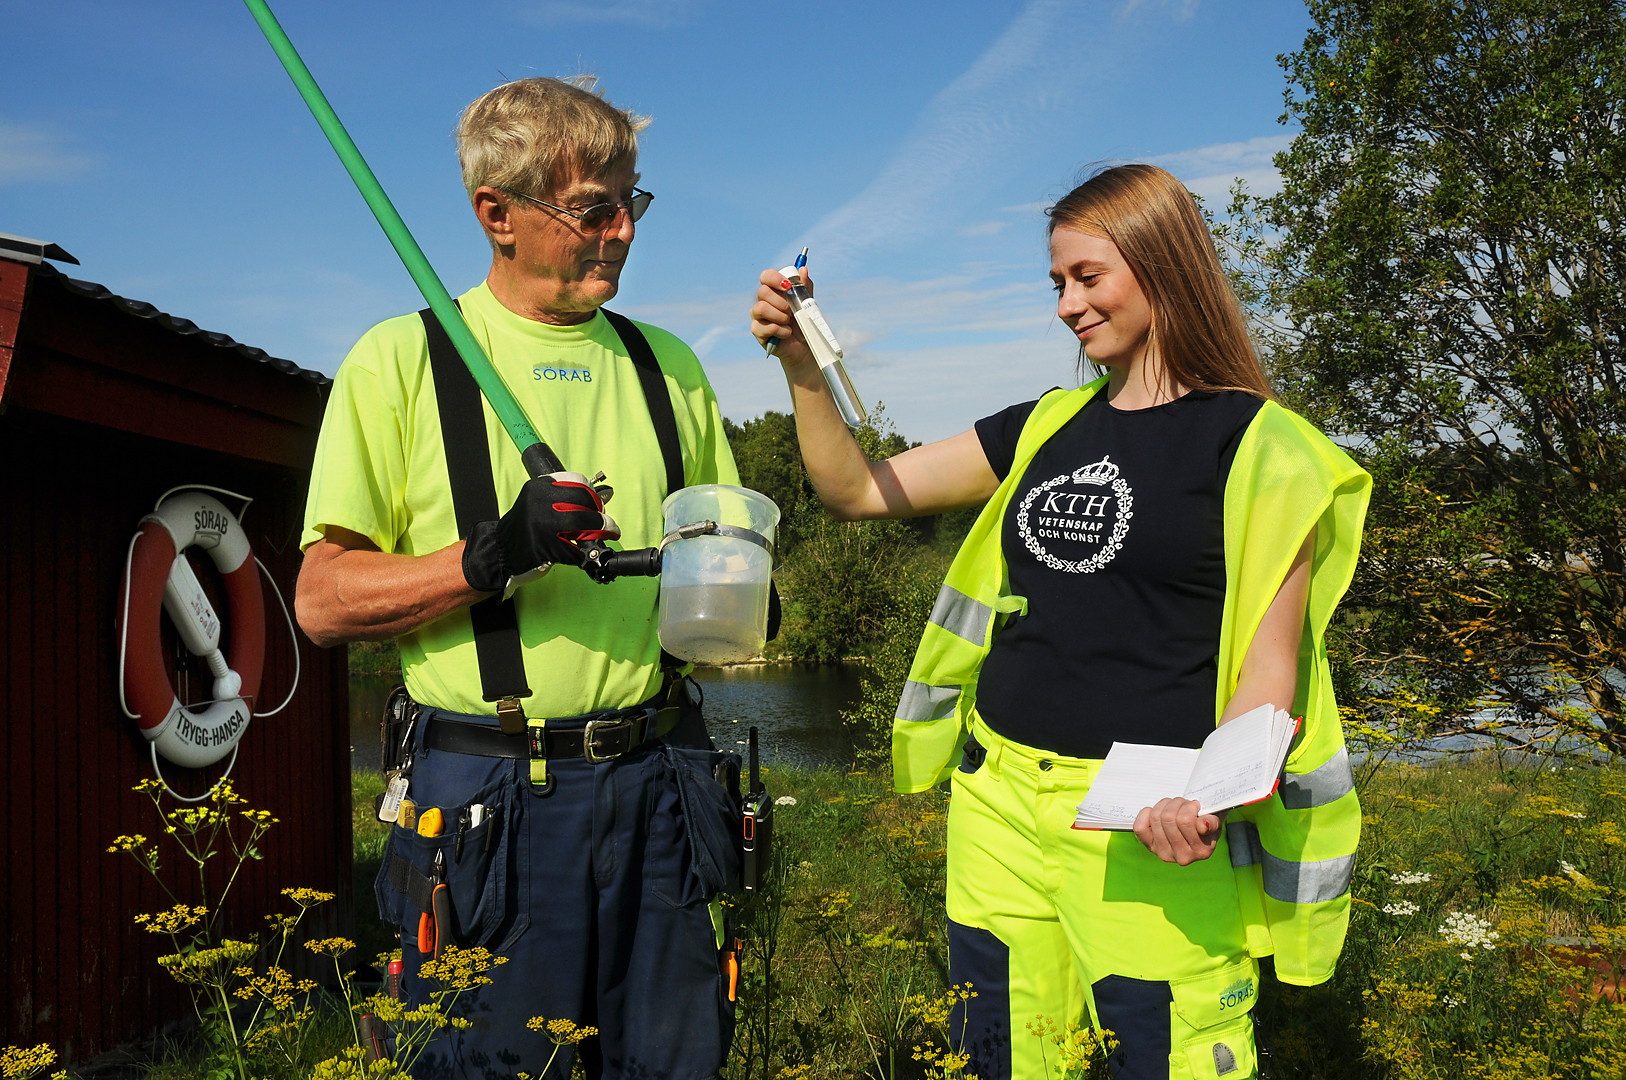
912	146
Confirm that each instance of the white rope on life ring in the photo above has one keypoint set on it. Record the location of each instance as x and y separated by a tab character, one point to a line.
157	577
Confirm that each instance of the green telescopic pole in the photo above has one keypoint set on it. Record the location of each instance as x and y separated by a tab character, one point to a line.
538	458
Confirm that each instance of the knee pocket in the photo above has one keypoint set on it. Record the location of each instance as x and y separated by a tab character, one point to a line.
1211	1023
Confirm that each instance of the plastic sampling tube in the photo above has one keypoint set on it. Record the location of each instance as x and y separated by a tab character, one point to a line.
826	350
539	460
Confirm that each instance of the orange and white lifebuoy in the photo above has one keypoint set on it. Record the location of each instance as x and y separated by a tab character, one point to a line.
159	578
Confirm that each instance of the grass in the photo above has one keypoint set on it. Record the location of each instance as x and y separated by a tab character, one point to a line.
372	936
853	922
1534	856
1488	940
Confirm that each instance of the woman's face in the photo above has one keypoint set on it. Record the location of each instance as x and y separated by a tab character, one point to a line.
1099	298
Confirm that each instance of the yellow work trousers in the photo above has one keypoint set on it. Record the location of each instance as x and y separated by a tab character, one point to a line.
1049	923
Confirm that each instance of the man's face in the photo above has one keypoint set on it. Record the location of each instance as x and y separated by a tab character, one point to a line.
574	271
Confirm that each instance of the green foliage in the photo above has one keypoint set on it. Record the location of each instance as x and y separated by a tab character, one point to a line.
374	657
869	723
369	838
844	584
1535	857
1438	285
1487	938
252	1013
853	921
766	453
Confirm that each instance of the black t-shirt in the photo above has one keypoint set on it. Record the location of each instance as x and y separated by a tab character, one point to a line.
1116	536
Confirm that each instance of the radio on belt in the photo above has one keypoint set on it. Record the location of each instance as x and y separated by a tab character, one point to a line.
756	827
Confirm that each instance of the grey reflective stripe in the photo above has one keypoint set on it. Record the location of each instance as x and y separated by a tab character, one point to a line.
1289	882
961	616
1330	782
1243	839
1307	882
921	701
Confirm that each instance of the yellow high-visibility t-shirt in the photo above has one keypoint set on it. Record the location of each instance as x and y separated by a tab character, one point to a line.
380	471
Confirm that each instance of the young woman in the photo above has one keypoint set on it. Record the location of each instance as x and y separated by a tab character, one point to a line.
1160	551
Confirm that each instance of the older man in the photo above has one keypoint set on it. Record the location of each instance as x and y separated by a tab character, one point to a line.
563	846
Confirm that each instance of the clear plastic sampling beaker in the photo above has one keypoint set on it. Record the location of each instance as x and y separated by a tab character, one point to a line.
716	566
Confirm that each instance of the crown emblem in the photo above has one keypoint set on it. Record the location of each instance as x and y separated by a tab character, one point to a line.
1102	472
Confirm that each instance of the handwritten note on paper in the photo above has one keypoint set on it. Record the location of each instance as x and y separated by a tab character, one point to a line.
1235	761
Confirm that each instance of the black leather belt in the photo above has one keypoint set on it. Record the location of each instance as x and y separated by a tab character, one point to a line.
597	736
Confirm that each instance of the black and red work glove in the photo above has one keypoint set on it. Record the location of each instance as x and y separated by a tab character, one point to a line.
552	515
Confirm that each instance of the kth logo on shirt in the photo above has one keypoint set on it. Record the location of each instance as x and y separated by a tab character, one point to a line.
1084	514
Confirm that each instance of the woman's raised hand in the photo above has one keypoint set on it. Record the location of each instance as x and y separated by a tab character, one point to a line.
1176	832
771	317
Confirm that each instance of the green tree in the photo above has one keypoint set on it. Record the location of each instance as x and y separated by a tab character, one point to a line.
843	583
769	461
1441	280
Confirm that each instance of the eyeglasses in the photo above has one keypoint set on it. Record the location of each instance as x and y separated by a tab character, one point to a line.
599	216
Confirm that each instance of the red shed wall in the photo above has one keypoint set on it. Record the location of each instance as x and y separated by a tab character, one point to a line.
79	973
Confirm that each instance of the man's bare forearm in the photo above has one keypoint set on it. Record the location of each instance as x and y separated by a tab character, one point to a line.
353	592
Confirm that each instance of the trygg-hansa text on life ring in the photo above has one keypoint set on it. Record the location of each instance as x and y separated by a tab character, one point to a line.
160	579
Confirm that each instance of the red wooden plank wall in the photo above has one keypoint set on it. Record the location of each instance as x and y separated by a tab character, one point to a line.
78	972
13	290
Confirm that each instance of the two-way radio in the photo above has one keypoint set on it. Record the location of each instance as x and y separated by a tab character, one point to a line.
756	827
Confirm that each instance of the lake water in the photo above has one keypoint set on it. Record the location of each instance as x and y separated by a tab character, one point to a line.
794	707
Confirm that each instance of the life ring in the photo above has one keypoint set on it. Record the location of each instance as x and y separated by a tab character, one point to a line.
157	578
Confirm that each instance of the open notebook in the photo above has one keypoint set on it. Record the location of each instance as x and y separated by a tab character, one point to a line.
1240	762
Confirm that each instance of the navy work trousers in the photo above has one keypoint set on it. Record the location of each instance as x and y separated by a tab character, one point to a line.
600	918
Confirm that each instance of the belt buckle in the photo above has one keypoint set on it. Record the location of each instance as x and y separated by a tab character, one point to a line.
587	739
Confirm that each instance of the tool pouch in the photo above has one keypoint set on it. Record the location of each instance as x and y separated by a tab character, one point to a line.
476	874
710	817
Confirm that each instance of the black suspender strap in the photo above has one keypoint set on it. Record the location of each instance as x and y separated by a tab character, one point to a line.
656	396
474	492
474	498
659	402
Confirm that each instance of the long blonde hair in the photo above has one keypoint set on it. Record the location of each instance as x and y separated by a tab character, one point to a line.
1197	325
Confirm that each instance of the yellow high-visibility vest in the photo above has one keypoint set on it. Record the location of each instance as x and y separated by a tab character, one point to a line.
1294	852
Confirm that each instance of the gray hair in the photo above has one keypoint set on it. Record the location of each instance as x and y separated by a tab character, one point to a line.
532	134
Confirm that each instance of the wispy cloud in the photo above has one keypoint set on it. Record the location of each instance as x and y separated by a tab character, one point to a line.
930	393
29	153
1018	83
873	316
1211	170
628	12
1183	9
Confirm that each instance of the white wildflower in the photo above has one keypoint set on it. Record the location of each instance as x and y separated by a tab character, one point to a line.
1410	878
1462	928
1451	1001
1573	874
1401	907
785	800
